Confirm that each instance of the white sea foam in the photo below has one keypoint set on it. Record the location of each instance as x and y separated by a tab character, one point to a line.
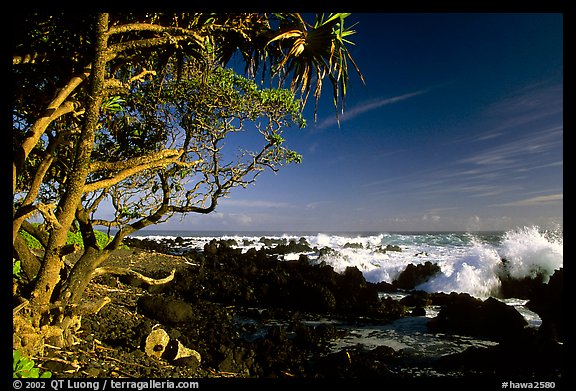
469	262
529	252
472	272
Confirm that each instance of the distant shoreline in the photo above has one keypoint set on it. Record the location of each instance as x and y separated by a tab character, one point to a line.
204	233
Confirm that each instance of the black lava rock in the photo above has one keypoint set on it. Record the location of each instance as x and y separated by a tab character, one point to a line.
165	309
415	275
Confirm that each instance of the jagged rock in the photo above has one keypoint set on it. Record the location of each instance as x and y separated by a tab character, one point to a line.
547	301
417	299
384	286
393	247
415	275
527	356
354	245
291	247
490	318
521	288
418	311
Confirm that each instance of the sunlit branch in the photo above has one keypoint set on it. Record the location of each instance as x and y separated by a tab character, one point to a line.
29	58
56	108
137	161
131	27
128	172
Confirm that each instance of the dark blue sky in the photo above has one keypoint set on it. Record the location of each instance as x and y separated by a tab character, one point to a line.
459	127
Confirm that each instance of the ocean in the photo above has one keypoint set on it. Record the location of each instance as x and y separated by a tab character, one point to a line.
469	263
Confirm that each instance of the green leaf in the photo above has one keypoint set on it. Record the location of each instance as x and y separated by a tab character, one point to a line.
275	139
15	359
113	104
294	157
28	365
23	367
16	268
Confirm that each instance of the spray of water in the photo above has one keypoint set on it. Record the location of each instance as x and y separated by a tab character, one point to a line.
527	252
530	252
473	273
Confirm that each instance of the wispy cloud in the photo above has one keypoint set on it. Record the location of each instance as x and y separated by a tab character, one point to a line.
364	107
535	103
255	203
518	153
550	199
314	205
531	102
502	163
436	214
524	134
240	218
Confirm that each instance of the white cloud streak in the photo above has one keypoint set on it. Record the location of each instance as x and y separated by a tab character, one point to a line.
314	205
364	107
550	199
255	204
526	106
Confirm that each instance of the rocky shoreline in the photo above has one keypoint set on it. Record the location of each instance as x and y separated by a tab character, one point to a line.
248	315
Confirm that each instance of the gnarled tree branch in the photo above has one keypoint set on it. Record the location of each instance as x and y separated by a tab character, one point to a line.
57	107
137	161
120	271
29	58
130	171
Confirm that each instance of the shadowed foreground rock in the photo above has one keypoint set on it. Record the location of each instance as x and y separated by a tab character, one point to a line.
548	302
527	357
522	353
490	318
165	309
252	315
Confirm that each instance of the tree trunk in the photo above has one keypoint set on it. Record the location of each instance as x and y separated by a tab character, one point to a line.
81	274
49	275
72	291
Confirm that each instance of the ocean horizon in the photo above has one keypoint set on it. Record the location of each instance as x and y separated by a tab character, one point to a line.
188	232
470	262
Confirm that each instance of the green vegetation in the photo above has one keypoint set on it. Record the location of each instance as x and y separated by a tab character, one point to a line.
31	241
73	238
23	367
16	268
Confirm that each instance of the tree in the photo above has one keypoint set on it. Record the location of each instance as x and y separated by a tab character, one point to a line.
136	114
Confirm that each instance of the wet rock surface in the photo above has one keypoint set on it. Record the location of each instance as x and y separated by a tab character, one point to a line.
490	318
415	275
250	315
